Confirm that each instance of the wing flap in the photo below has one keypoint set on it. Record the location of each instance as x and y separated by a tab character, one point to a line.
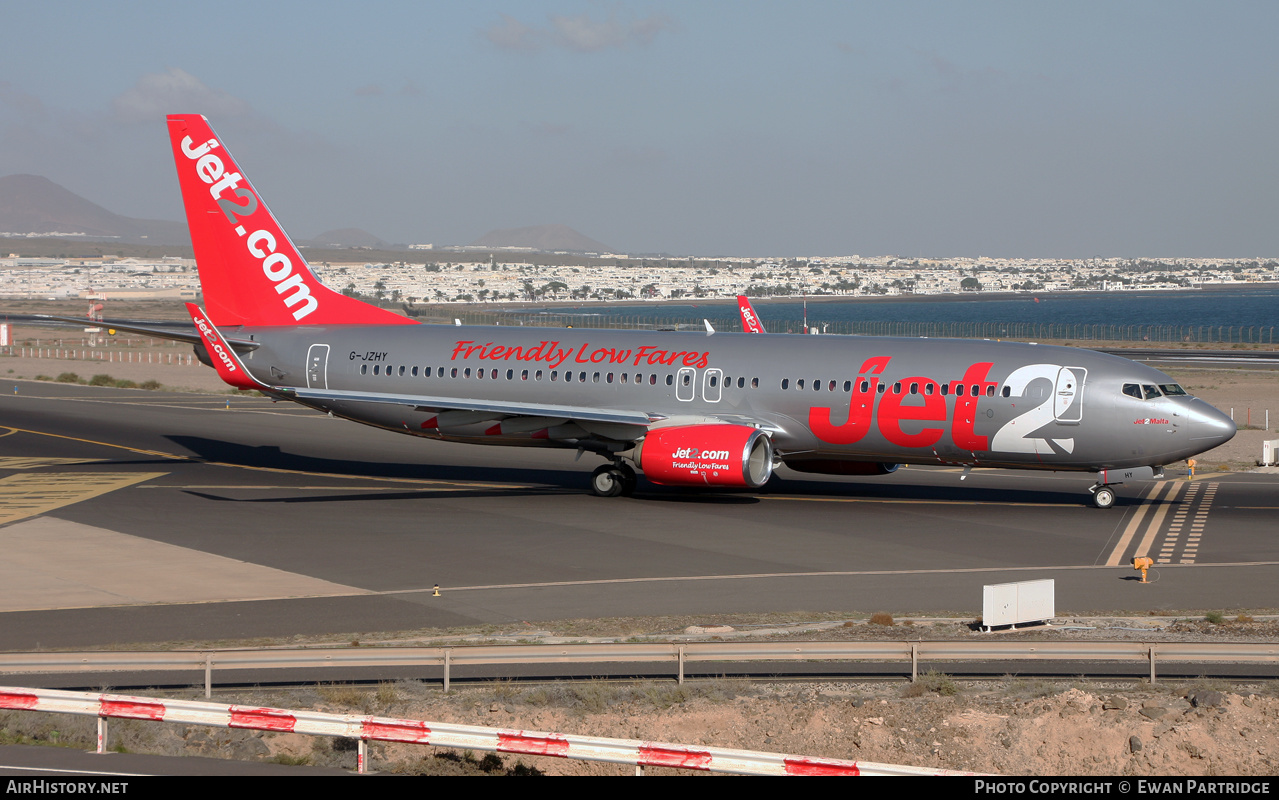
638	419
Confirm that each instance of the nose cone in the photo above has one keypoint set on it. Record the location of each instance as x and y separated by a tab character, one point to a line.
1209	427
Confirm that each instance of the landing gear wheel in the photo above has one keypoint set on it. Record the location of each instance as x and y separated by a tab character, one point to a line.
607	481
1104	497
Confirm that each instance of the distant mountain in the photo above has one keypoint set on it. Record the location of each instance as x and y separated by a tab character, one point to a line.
542	237
34	204
349	237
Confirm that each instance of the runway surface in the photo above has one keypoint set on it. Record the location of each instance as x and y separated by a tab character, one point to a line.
132	517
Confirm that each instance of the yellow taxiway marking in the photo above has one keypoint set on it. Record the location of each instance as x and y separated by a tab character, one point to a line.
1134	525
156	453
1157	519
336	476
30	495
19	462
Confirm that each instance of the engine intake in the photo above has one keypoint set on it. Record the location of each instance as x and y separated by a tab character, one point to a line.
707	455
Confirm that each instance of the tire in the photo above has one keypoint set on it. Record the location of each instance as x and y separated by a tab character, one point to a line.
607	481
1104	497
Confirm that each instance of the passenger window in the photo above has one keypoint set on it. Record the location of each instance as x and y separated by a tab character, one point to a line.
670	380
741	383
510	373
945	389
652	379
479	374
832	386
754	383
568	376
817	385
441	372
959	390
799	384
1008	390
929	387
364	369
538	375
687	379
714	381
453	373
785	383
883	387
414	371
377	369
524	375
401	371
897	387
990	390
914	388
595	378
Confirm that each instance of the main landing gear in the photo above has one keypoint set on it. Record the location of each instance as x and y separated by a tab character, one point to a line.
611	480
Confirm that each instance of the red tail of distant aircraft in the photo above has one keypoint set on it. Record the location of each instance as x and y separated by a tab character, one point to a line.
750	320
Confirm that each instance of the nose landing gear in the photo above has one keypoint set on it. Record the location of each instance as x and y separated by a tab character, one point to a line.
1102	495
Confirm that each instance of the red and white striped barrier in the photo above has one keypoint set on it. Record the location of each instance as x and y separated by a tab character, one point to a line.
439	734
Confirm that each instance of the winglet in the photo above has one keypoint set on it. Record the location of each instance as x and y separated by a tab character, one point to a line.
750	320
225	361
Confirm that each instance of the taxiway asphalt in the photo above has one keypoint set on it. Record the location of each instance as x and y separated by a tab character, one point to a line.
131	517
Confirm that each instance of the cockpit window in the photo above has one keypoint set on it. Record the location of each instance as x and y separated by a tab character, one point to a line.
1172	389
1132	390
1151	392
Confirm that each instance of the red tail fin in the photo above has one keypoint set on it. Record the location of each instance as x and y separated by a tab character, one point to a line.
750	320
250	272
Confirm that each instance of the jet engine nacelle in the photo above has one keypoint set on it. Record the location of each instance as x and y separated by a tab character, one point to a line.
707	455
831	466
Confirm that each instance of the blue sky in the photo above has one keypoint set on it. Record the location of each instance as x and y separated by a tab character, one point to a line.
1036	129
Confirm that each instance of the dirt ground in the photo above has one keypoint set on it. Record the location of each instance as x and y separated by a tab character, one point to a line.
1017	726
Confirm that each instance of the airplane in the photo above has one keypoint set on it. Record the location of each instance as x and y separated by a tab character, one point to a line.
712	410
750	320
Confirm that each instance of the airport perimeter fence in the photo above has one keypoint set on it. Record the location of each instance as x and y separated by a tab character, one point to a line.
1032	331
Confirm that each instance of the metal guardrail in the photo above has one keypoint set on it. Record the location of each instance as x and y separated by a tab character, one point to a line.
678	655
365	729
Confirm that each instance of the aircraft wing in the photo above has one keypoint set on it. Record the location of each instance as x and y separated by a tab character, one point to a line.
497	408
176	331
